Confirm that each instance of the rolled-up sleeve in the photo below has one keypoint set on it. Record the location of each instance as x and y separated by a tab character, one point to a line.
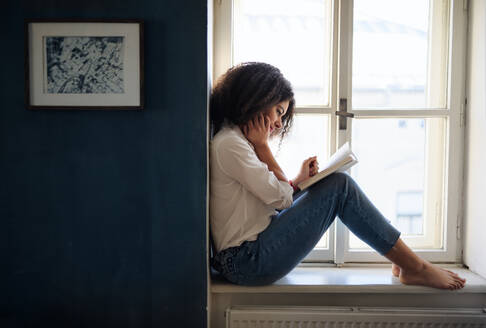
238	160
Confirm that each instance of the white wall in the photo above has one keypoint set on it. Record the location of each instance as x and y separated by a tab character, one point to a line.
475	162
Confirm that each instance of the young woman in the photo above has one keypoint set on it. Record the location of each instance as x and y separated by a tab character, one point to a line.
261	226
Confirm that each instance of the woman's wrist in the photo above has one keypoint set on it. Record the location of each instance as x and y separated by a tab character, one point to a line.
294	185
297	180
263	145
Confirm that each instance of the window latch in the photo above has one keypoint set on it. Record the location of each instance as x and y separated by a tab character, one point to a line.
343	114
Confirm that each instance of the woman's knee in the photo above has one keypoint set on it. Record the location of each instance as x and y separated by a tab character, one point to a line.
341	176
331	184
340	183
340	179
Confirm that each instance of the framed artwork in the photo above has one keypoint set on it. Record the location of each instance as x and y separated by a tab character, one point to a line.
84	64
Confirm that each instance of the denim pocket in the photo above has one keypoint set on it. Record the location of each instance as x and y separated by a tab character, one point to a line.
225	261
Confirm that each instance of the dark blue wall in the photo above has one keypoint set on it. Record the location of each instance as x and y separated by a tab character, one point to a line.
103	213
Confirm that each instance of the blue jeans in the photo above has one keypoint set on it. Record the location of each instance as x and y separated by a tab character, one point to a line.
295	231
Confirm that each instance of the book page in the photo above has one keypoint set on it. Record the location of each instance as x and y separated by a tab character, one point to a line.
338	156
339	161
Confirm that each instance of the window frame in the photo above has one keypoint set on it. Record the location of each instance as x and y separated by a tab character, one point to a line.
340	86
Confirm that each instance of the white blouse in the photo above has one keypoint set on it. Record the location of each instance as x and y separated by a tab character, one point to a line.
243	192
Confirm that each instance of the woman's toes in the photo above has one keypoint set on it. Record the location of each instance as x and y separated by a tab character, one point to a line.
456	276
462	281
459	283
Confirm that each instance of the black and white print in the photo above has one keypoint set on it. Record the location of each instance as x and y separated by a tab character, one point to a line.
84	65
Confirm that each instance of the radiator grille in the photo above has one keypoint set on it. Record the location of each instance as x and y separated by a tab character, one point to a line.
353	317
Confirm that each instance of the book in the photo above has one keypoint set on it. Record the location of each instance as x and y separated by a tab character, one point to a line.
340	161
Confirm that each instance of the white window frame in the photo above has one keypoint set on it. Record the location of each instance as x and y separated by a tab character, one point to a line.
341	88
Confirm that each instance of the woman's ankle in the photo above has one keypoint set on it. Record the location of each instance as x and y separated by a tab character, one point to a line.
414	268
405	258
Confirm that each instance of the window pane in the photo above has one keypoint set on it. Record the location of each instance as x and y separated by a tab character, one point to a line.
410	212
400	53
294	36
308	137
401	170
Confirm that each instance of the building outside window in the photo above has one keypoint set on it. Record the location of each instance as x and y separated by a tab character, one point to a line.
409	215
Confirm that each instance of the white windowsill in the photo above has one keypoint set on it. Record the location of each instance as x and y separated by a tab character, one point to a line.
350	279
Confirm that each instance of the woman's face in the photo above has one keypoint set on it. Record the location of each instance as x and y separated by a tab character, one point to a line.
275	114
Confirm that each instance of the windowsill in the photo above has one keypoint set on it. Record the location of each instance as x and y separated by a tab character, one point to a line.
352	279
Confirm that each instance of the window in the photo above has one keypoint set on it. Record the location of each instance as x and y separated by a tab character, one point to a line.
397	68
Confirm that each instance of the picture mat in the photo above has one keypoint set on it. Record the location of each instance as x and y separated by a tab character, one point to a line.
131	32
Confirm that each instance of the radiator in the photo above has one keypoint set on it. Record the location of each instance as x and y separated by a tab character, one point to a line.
353	317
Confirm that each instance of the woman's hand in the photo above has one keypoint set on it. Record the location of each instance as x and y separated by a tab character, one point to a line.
309	168
257	130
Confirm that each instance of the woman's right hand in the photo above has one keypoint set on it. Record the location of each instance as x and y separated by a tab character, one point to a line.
257	130
309	168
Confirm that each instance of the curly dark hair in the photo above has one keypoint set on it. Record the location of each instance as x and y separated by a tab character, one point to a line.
247	89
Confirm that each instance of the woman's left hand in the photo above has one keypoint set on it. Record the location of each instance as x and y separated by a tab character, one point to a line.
309	168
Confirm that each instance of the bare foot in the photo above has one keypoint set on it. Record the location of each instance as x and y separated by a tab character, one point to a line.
395	270
432	276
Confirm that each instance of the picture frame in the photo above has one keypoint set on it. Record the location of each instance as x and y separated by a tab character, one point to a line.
84	64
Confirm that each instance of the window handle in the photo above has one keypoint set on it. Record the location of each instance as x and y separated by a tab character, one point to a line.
343	114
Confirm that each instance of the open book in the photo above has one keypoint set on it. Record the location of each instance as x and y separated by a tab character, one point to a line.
340	161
